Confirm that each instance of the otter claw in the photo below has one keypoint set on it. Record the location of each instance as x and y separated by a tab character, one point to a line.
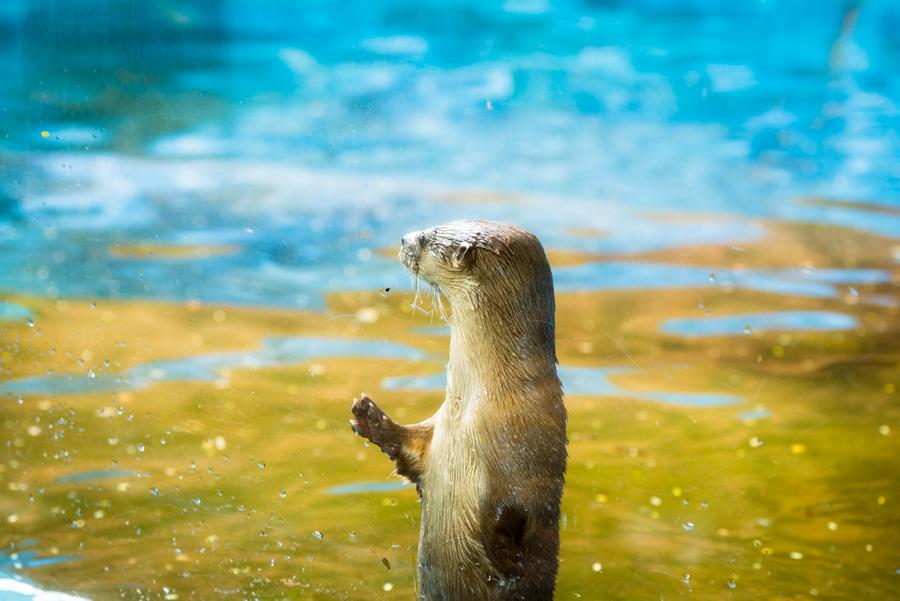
371	423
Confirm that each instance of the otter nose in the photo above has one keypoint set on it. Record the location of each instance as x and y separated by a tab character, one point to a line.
412	240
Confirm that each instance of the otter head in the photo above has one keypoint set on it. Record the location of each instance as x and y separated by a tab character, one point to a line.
492	272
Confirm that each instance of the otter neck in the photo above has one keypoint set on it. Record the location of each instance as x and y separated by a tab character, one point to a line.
495	353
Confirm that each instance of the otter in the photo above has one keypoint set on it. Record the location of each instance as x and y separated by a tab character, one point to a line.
489	466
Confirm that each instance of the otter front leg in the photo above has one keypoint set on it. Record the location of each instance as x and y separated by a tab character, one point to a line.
407	446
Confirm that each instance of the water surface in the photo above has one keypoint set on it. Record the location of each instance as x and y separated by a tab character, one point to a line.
199	208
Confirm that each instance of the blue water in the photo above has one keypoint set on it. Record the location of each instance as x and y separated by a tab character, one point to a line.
631	275
583	381
366	487
275	351
94	475
15	587
13	312
781	321
310	138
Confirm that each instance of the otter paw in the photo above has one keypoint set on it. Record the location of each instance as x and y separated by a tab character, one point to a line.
370	422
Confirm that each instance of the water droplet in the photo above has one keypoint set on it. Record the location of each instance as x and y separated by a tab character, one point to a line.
197	502
154	491
29	322
712	278
318	535
597	566
732	584
261	465
249	230
747	329
387	587
853	291
796	555
687	526
91	374
282	494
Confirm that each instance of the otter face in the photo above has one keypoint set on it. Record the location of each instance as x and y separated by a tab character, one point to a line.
473	255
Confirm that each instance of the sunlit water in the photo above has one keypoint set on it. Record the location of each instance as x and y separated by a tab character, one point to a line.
199	204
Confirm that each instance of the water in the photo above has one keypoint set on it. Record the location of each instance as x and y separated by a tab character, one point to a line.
582	381
200	206
209	368
785	321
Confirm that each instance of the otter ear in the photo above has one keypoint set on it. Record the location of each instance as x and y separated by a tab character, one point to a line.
464	256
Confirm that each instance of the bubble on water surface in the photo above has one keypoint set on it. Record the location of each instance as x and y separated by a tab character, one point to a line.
317	534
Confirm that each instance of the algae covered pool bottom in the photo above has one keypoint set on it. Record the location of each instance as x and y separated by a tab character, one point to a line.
163	450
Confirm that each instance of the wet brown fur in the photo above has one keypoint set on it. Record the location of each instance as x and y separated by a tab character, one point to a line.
489	465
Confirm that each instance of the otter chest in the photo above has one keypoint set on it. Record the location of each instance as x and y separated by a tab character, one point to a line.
454	481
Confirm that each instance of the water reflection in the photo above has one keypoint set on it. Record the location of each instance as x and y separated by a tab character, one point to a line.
785	321
95	475
583	381
14	587
209	368
13	312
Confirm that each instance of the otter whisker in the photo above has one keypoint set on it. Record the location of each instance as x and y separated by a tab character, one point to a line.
439	303
416	298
